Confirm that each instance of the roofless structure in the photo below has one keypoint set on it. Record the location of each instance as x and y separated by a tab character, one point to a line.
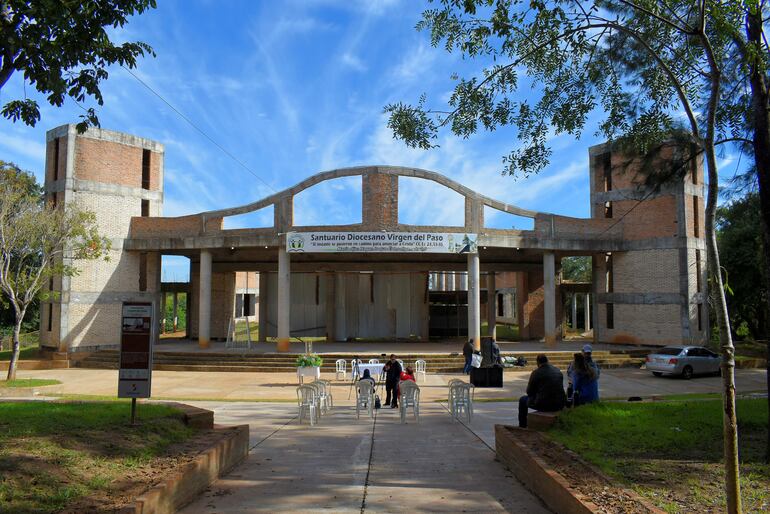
375	278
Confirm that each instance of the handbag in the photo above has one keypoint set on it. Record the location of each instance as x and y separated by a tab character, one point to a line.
377	403
476	360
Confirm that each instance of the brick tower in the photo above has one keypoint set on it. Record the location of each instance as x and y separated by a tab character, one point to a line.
116	176
655	290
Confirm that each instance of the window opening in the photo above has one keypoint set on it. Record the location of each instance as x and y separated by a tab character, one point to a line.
145	208
610	316
145	169
56	159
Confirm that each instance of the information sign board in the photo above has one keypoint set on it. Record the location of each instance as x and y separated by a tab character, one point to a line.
381	242
135	375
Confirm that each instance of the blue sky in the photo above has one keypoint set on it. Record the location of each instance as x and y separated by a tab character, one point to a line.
292	88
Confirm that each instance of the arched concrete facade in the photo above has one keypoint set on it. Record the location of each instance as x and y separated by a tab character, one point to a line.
634	300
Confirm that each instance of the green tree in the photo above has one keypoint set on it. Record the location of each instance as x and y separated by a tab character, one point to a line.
740	248
27	182
62	48
38	243
640	62
576	269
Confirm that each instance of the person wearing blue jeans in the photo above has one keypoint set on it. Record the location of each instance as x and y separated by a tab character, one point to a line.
468	354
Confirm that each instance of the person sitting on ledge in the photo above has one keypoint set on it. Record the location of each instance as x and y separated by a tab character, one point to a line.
545	390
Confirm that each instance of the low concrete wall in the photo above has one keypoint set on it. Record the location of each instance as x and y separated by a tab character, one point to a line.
193	478
537	476
36	364
546	483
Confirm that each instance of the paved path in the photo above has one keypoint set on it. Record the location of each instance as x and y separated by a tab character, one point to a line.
349	465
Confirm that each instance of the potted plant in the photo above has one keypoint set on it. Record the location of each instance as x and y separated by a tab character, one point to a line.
309	365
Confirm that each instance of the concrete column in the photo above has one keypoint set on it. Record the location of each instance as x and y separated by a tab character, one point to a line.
474	301
491	305
162	313
549	297
262	333
204	300
574	311
587	311
175	312
340	323
284	299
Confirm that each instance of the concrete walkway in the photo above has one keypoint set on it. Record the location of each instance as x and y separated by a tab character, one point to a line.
365	465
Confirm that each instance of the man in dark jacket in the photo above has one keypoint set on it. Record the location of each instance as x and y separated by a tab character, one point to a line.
545	390
392	376
468	354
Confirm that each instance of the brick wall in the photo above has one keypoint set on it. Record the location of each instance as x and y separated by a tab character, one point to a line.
114	163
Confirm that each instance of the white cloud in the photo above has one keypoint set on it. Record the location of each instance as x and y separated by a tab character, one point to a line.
415	64
29	148
353	62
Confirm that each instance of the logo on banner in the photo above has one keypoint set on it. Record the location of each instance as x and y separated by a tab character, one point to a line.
296	244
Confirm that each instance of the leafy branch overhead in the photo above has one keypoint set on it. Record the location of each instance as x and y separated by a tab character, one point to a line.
63	49
552	65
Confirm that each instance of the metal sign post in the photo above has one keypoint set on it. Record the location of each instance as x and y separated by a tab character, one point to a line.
135	375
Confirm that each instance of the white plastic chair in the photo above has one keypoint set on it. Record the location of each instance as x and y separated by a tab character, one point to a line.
308	401
462	400
452	391
365	397
374	361
409	396
420	367
324	404
354	367
328	391
340	369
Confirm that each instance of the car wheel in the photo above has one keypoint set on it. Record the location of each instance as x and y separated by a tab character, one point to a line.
657	373
687	372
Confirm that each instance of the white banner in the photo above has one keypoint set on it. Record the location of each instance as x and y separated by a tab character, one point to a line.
380	242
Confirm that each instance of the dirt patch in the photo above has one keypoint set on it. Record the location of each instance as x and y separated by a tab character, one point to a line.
122	492
585	478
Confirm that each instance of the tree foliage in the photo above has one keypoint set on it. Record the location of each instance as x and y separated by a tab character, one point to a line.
63	49
576	269
38	243
740	249
653	68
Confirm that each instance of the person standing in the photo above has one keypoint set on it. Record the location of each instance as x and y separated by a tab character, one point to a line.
392	371
545	390
468	354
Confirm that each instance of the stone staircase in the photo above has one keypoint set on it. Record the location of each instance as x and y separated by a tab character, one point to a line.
284	362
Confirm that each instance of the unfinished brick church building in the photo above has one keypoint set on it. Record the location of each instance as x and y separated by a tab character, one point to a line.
378	278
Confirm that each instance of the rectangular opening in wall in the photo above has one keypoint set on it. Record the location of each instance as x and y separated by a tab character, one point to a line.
608	286
694	163
53	200
696	216
145	208
700	317
500	306
610	316
143	271
698	279
50	316
146	169
56	159
607	209
607	168
317	290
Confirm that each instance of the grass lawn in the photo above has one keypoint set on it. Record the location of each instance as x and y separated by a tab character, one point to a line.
29	382
28	353
55	455
504	332
671	452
